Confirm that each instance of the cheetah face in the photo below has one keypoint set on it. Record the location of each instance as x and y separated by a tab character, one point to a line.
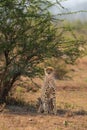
49	70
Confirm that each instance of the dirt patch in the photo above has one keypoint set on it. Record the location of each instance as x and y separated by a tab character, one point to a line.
27	121
71	104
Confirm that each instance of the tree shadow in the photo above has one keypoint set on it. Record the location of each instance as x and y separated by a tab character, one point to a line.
61	112
30	109
19	107
21	110
80	112
70	113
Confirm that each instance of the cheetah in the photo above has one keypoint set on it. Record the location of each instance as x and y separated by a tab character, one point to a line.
47	102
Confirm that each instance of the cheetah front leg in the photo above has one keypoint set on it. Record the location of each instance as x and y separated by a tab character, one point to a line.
54	106
40	106
45	107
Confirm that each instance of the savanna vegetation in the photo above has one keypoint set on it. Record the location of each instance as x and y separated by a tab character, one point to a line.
29	35
32	38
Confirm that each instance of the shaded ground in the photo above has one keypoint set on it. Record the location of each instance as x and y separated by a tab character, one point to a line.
17	118
71	105
71	115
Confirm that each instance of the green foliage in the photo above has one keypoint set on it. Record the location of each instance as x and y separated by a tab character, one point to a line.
71	42
65	123
28	36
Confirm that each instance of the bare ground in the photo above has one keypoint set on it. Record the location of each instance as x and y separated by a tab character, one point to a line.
71	105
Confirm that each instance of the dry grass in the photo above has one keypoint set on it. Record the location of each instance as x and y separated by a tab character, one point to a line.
71	105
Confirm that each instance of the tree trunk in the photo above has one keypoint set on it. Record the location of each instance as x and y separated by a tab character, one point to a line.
6	87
